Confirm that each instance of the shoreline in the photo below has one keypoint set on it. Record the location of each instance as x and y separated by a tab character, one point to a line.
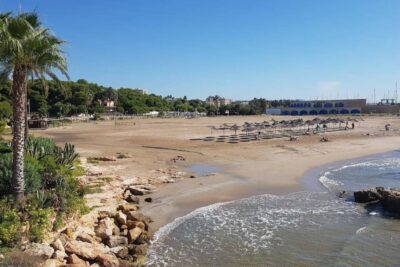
174	208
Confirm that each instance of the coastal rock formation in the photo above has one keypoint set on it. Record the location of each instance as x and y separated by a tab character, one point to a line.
389	198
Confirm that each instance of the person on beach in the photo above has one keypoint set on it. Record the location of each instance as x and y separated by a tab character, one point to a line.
352	125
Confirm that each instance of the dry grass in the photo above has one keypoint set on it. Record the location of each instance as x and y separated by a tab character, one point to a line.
17	258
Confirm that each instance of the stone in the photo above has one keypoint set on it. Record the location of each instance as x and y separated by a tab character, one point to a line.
123	253
114	241
115	250
133	224
104	228
74	259
57	245
52	263
95	265
138	249
132	199
120	217
108	260
60	255
140	190
104	214
390	199
116	231
85	238
134	234
124	232
125	208
42	250
366	196
142	239
148	199
84	250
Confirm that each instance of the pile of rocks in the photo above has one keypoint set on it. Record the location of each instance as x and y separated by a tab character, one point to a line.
118	239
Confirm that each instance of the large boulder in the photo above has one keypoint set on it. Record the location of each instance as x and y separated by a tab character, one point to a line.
57	245
60	255
391	199
140	190
42	250
104	228
85	250
73	259
125	208
115	241
108	260
120	217
134	234
366	196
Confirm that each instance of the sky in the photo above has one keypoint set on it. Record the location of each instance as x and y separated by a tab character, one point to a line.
239	49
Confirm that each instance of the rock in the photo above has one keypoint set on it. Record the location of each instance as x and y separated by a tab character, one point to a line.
132	199
140	190
133	224
105	158
41	250
142	239
120	217
116	231
52	263
138	249
84	250
57	245
73	259
192	176
138	216
95	265
125	208
148	199
60	255
134	234
366	196
114	241
104	214
115	250
390	199
124	232
104	228
108	260
85	238
123	253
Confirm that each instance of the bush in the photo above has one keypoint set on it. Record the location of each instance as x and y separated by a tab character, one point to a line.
40	223
9	224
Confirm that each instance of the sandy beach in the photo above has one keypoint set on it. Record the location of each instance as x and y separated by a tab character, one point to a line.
238	170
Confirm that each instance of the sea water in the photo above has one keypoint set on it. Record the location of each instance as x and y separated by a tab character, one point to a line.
309	228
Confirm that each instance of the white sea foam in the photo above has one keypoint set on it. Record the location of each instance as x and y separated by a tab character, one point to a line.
361	230
330	183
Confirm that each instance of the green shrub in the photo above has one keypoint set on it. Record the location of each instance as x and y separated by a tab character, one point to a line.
40	223
9	224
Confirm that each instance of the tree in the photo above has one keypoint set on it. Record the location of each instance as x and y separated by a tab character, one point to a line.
27	49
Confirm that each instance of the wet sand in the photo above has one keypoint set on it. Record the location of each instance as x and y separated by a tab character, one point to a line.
245	169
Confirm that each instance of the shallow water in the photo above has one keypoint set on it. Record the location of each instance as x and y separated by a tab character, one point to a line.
310	228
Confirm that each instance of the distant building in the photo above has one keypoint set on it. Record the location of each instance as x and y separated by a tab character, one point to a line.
218	101
108	104
323	107
142	91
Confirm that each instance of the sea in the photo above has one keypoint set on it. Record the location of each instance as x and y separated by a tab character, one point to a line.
313	227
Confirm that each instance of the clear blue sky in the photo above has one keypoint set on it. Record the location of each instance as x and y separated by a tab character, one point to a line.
239	49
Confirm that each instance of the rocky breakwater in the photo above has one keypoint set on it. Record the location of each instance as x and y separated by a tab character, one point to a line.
117	238
389	198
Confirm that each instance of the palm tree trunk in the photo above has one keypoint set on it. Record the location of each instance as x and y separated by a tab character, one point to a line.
18	141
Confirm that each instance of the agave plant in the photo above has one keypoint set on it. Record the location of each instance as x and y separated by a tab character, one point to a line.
39	147
66	155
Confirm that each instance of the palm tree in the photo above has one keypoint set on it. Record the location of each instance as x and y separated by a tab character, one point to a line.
26	50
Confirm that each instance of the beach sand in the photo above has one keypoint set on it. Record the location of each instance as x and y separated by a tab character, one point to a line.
245	169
